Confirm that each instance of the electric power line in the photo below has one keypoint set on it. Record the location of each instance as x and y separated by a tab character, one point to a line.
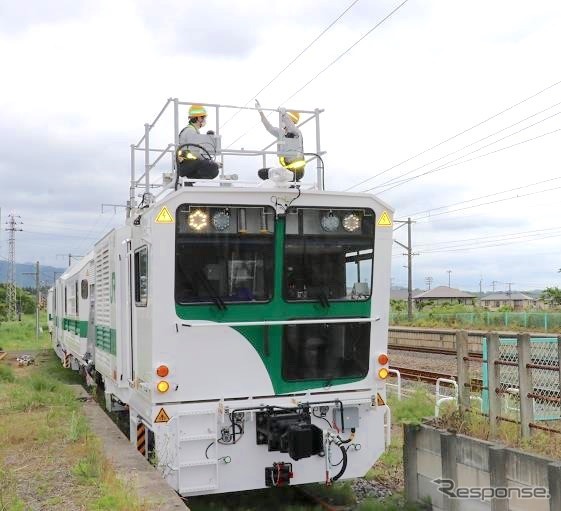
428	217
329	65
500	237
396	178
456	135
484	196
293	60
490	245
450	164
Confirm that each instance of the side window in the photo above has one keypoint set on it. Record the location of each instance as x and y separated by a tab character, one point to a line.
141	276
65	300
84	289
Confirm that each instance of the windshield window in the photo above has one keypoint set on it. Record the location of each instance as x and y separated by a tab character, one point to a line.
224	254
325	351
328	254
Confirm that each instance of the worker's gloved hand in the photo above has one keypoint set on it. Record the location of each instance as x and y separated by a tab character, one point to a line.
258	105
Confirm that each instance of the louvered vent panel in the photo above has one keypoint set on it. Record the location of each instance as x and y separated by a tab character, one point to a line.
102	288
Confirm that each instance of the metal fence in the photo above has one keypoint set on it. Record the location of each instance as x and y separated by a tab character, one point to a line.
521	379
546	321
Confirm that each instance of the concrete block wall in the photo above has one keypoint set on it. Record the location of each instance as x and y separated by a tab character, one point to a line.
432	338
431	454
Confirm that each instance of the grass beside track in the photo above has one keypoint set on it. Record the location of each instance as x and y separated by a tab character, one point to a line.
49	459
20	335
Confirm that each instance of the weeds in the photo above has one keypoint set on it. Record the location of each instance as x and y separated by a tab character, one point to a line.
388	470
476	425
40	416
20	335
393	503
414	408
6	374
89	469
78	427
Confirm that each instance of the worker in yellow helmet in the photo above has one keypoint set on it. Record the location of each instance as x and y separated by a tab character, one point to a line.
194	161
290	148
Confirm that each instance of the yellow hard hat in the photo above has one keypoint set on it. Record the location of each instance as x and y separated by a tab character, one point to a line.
295	116
197	111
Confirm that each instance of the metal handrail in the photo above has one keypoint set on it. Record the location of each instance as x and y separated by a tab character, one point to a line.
275	323
143	145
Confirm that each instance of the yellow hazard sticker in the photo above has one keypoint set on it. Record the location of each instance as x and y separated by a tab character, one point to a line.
384	220
380	400
164	217
162	416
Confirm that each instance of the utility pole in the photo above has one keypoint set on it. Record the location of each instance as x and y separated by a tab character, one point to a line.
428	281
13	223
449	272
509	289
409	255
37	298
493	284
480	288
70	257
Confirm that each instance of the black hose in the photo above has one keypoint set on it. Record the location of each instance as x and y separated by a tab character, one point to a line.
344	467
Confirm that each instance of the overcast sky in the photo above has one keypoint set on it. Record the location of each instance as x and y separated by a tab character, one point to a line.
80	79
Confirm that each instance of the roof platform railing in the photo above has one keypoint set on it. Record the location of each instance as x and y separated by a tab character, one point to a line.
143	184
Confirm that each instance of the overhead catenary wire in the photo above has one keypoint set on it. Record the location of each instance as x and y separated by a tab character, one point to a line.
395	179
487	203
329	65
481	246
456	135
431	210
325	30
492	237
450	164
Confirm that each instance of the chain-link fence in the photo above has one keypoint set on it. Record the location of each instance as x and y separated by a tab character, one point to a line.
521	379
546	321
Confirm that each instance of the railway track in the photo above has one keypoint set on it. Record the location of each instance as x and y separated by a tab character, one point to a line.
409	373
435	351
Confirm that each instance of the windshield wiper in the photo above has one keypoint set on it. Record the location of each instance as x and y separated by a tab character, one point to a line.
211	291
323	299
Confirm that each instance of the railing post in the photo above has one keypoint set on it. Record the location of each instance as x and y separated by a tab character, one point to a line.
147	157
132	197
463	371
554	480
448	450
410	433
525	384
320	170
497	475
559	363
493	381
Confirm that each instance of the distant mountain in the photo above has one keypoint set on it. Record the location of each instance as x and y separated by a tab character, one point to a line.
46	274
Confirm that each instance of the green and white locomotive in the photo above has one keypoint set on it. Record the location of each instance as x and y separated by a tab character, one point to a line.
241	325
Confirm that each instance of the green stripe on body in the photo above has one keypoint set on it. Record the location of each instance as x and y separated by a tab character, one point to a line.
106	339
277	310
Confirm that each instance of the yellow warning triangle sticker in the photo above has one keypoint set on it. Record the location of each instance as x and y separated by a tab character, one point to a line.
164	217
385	220
162	416
379	400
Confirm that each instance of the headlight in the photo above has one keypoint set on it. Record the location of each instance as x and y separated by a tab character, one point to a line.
351	222
330	222
198	220
221	220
